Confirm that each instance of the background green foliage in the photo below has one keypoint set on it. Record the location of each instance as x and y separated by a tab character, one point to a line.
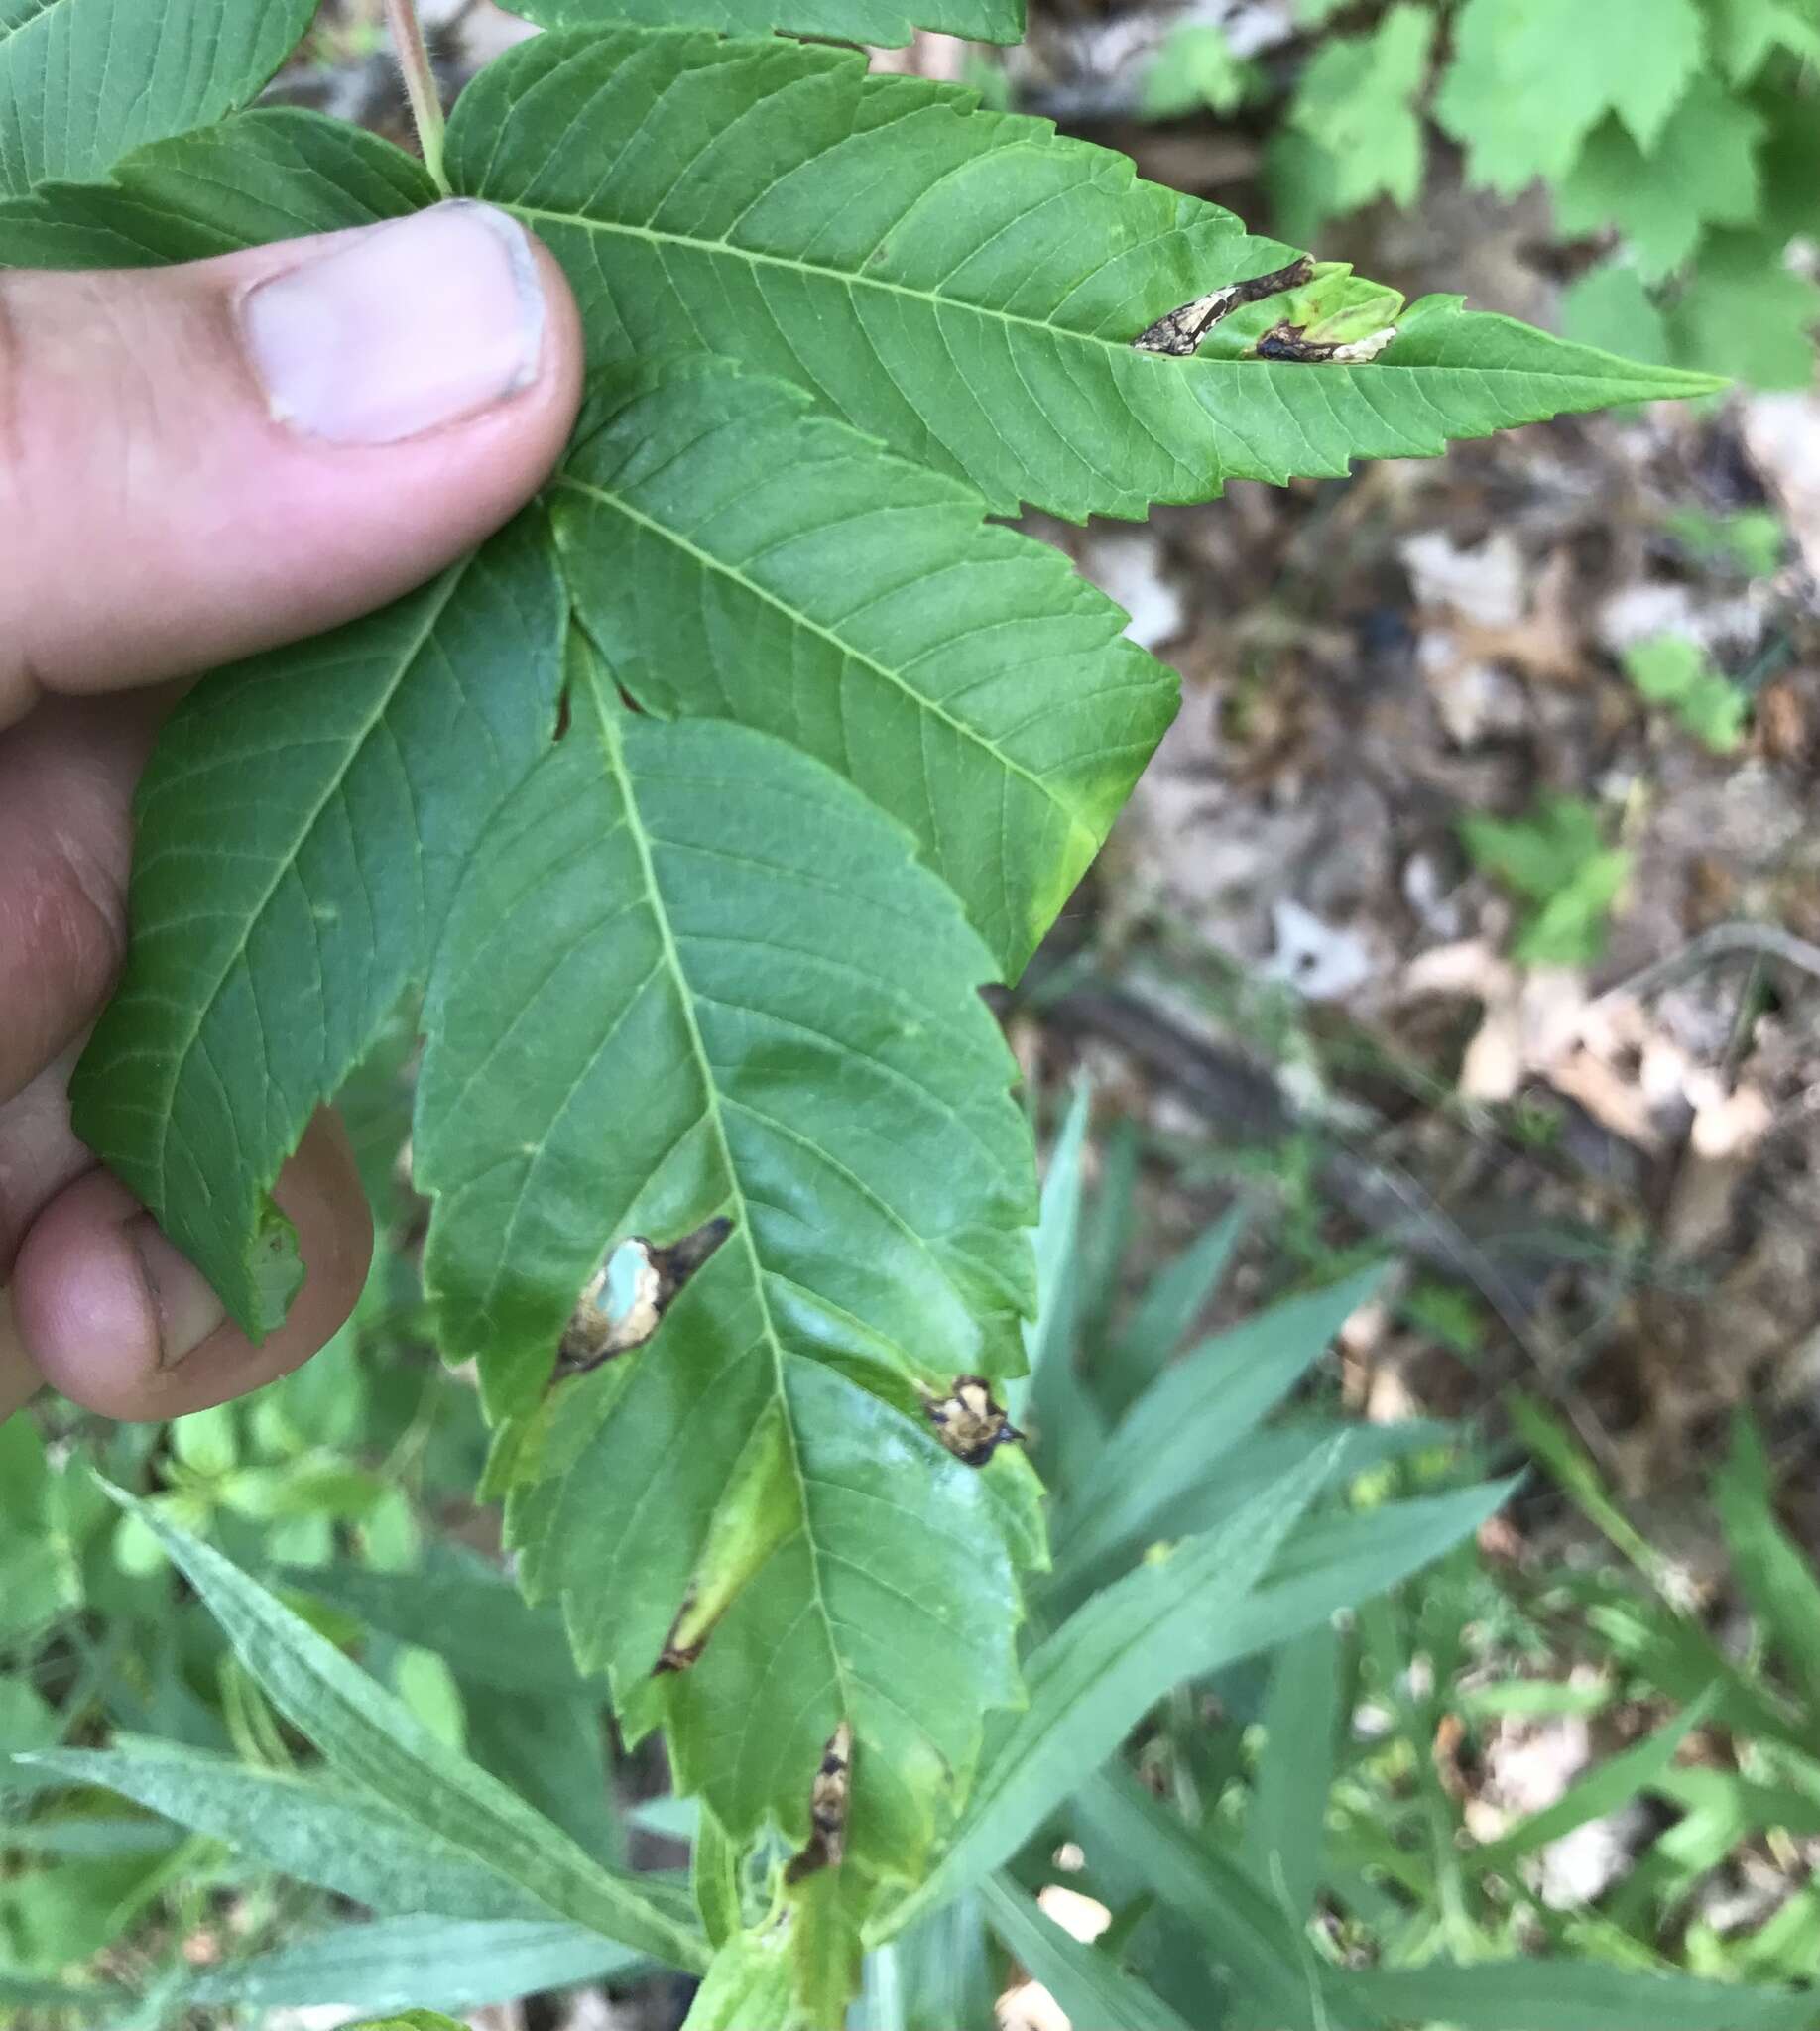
1680	137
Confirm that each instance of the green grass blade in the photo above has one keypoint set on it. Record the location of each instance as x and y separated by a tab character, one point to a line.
447	1964
370	1737
1162	1316
1286	1820
1091	1987
1774	1572
1201	1411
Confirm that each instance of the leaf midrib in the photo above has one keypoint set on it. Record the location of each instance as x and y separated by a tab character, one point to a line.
286	861
614	751
933	706
852	278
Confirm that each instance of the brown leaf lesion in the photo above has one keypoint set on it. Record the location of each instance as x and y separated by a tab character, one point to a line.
1287	341
609	1321
1179	334
970	1421
829	1798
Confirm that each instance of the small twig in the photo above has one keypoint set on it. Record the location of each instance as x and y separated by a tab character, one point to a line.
419	76
1721	941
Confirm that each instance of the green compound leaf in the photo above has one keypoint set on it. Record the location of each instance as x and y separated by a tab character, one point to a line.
301	828
691	974
963	285
82	83
845	21
1531	79
735	555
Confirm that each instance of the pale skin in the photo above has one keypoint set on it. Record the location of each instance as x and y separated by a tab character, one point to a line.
162	512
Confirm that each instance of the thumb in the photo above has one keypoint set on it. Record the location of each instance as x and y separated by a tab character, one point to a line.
200	461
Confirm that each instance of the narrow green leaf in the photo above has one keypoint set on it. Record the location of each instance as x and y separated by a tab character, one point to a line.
1058	1227
300	827
1285	1819
1575	1995
368	1736
1258	1947
847	21
470	1614
880	2004
412	2020
1739	1806
947	1970
1202	1408
728	934
550	1749
715	1878
1678	1658
1603	1789
748	1985
827	1913
1562	1454
1773	1572
1052	1395
1097	1677
1171	1302
1091	1987
88	2000
1282	1445
964	285
25	1476
451	1963
269	175
1337	1560
303	1826
80	86
717	534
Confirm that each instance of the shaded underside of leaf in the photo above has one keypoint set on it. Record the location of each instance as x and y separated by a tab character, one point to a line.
301	824
847	21
964	285
735	555
692	975
269	175
81	85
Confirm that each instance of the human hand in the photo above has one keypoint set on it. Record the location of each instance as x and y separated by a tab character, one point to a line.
196	463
